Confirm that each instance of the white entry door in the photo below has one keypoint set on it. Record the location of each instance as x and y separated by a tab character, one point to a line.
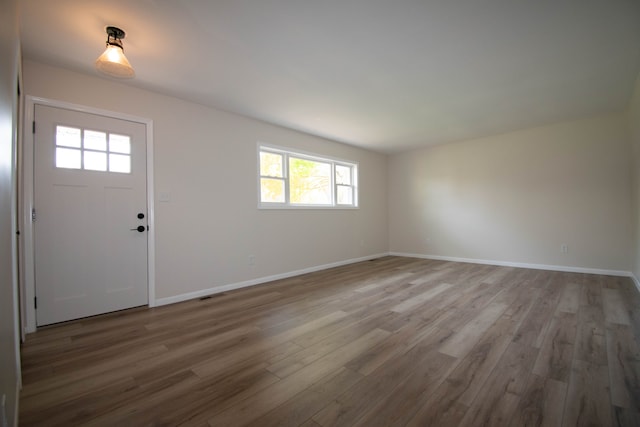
90	205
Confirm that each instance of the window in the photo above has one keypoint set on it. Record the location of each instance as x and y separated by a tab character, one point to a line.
290	179
92	150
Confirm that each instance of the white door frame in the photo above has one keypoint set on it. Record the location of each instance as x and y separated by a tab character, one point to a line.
28	285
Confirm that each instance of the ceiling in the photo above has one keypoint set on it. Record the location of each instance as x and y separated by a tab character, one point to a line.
381	74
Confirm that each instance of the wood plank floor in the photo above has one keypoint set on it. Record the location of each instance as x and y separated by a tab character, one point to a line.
389	342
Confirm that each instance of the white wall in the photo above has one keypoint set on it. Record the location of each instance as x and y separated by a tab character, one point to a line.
206	160
518	197
9	371
634	122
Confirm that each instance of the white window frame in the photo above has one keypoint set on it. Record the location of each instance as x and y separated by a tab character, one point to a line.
286	154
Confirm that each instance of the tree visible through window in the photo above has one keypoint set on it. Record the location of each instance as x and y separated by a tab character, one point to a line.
309	182
295	179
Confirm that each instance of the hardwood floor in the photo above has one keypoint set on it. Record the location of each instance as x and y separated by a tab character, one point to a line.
390	342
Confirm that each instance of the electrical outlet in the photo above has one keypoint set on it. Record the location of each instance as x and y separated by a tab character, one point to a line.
252	260
564	248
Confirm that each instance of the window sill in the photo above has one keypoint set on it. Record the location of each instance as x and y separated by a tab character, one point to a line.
271	207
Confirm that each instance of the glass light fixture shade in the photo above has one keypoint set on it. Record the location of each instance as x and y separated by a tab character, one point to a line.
113	63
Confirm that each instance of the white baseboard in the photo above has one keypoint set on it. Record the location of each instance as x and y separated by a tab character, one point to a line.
520	265
10	413
257	281
636	281
260	280
16	405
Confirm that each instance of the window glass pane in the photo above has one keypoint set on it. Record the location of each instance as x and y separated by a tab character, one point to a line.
271	190
343	175
68	158
119	163
345	195
94	140
309	182
119	144
67	137
95	161
271	164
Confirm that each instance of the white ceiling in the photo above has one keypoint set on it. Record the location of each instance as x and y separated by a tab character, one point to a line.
382	74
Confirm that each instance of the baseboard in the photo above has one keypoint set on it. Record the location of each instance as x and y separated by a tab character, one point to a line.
10	413
16	404
258	281
568	269
636	281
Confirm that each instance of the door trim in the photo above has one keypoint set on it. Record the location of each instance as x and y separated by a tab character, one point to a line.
28	283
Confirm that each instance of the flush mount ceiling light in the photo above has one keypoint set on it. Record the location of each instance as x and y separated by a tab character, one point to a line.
113	62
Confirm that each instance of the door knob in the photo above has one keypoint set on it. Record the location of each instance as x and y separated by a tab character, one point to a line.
139	229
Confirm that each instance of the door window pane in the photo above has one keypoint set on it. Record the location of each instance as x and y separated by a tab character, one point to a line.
67	137
95	161
119	144
68	158
94	140
96	151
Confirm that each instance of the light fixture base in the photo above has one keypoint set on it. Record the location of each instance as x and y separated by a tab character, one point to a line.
115	32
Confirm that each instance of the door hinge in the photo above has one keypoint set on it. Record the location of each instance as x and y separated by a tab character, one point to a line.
35	302
33	126
33	215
